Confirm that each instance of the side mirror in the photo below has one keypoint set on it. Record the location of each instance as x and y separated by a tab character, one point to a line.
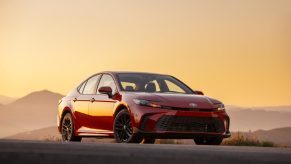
199	92
106	90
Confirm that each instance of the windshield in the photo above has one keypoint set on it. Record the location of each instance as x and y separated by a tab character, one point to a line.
142	82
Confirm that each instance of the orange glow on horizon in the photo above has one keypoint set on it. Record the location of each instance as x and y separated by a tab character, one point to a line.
236	51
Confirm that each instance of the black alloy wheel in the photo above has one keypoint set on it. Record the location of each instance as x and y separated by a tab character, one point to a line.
123	130
67	129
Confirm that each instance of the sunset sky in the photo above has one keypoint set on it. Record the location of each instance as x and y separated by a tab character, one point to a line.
238	51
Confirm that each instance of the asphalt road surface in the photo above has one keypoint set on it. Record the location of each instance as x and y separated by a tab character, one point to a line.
87	153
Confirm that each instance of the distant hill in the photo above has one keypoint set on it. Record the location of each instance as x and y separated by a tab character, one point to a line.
245	119
285	108
278	136
48	133
33	111
281	136
6	100
282	108
43	98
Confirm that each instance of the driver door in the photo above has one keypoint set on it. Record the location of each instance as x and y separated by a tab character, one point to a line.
102	106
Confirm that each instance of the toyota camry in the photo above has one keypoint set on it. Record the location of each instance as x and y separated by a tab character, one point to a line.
138	107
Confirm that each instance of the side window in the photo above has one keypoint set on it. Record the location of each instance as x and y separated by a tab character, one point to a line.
91	84
107	80
173	87
81	88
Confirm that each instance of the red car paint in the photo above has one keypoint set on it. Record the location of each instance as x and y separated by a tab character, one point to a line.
175	106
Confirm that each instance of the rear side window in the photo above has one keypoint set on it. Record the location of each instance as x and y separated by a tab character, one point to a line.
81	88
91	84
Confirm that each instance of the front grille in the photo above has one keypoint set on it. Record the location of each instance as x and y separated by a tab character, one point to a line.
190	124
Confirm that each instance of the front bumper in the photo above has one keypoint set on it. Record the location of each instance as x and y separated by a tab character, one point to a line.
178	124
179	135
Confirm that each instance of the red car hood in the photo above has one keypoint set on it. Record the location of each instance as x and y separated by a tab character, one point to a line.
179	100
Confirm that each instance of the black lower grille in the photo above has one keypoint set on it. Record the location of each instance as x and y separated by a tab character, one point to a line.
190	124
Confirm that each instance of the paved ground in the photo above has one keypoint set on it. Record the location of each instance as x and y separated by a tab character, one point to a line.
86	153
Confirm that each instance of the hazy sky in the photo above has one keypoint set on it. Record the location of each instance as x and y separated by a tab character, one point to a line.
238	51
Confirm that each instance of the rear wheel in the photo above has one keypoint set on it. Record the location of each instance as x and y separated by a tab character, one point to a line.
123	130
208	140
67	129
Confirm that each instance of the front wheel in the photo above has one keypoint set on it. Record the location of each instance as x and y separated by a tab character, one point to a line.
67	129
123	130
208	140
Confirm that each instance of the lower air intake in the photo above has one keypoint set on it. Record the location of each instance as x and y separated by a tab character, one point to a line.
190	124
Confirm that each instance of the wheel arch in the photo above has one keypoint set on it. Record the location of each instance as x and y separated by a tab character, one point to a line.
64	112
120	108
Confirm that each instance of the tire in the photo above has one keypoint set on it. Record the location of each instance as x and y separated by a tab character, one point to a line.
67	129
123	130
208	140
149	140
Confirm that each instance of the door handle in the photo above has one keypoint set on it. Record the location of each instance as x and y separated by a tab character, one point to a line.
92	100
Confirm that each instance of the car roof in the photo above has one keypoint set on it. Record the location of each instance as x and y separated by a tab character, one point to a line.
118	72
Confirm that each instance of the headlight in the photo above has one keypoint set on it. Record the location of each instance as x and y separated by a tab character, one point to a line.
217	104
147	103
220	107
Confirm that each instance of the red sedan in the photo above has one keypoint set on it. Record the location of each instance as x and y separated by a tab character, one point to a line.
137	107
